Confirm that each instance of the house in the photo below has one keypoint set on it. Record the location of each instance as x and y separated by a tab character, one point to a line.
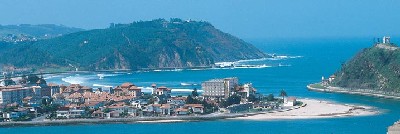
59	99
121	108
331	78
75	98
177	102
196	108
16	113
98	114
128	89
134	91
62	112
181	111
246	90
163	109
152	110
86	89
163	91
113	114
68	112
132	111
94	104
290	101
140	103
76	113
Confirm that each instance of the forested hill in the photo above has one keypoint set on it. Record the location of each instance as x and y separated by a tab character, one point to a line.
377	68
145	44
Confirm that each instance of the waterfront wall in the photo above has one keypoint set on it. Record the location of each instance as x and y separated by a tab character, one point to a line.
364	92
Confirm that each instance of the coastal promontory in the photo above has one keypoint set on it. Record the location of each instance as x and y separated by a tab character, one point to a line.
155	44
375	68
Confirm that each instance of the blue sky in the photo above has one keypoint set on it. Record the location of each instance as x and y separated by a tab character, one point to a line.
247	19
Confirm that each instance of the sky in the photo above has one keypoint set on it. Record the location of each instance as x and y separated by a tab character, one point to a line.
249	19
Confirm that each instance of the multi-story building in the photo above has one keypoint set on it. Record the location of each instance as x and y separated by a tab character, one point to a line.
128	89
219	88
246	90
54	88
16	93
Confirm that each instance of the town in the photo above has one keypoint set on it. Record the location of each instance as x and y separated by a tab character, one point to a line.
32	98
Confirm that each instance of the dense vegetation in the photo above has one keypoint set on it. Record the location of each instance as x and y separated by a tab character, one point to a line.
145	44
373	68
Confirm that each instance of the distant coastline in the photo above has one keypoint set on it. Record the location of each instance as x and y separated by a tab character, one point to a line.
142	69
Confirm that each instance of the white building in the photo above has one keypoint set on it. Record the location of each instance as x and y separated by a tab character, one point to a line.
246	90
290	101
17	93
386	39
218	88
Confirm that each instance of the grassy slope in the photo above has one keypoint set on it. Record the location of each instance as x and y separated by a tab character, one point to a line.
372	68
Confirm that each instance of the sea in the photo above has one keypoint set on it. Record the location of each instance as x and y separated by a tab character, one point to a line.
298	62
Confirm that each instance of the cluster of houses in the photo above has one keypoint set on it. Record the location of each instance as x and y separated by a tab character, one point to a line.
77	101
125	100
327	82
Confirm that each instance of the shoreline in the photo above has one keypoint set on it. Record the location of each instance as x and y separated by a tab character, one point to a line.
331	89
170	119
142	69
313	109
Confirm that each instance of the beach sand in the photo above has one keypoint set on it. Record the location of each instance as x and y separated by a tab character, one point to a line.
315	109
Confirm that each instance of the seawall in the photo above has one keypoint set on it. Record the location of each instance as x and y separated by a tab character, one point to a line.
363	92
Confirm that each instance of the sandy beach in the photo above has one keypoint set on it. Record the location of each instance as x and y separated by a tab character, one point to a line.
315	109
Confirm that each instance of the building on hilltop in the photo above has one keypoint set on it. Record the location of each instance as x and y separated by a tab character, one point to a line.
386	40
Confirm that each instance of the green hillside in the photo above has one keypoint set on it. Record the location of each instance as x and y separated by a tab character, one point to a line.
145	44
377	68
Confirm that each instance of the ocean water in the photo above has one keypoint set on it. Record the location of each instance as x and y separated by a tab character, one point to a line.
301	62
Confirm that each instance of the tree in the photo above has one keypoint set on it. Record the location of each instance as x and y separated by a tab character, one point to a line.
32	79
190	100
194	92
270	97
283	94
234	99
252	98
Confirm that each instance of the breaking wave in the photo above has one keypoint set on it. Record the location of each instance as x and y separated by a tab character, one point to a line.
74	80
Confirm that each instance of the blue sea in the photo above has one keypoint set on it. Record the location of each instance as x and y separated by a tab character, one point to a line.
300	62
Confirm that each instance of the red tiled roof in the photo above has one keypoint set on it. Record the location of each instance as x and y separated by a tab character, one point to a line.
127	85
134	88
181	110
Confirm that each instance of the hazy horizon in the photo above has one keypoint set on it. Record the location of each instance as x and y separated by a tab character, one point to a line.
256	19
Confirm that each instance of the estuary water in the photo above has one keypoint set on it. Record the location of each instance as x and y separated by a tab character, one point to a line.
298	63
